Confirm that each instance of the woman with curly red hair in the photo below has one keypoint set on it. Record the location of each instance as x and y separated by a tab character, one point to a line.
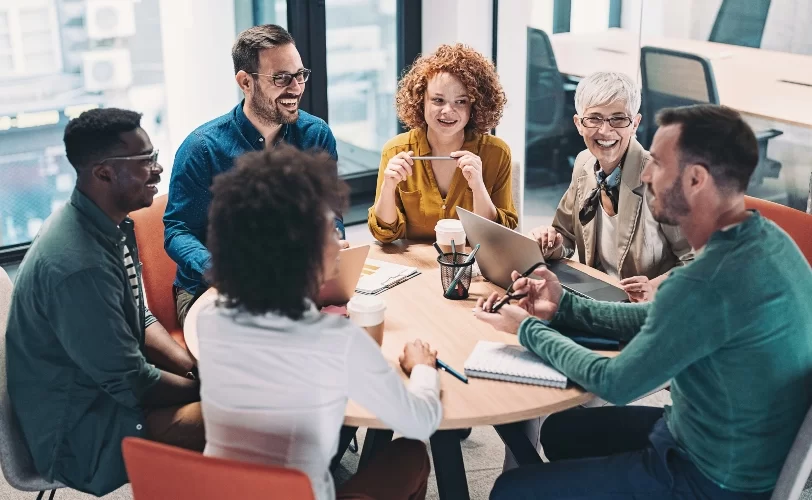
450	100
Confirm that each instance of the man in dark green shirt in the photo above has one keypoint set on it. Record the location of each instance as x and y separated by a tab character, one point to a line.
87	362
731	331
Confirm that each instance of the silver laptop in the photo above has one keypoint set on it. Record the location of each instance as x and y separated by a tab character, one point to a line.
339	289
503	251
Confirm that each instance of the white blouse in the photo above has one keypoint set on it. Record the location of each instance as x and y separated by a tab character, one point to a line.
274	390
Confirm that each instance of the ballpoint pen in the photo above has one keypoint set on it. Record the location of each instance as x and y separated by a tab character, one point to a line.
433	158
509	292
443	366
439	250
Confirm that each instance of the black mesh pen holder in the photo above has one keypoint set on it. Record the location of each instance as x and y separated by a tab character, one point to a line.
450	267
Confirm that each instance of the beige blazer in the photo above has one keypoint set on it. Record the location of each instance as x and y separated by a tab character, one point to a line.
645	247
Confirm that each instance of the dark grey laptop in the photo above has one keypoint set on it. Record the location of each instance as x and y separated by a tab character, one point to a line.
503	250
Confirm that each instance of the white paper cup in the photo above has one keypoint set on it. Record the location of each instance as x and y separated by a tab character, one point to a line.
368	312
447	230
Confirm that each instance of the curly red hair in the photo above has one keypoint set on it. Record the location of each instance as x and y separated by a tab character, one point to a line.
476	73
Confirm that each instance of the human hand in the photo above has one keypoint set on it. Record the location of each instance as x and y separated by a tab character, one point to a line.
638	288
398	169
542	295
471	166
417	353
548	238
507	319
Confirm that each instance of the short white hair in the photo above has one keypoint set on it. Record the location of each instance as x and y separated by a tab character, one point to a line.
605	87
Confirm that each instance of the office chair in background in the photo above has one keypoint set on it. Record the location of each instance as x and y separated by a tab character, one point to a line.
740	22
551	138
672	78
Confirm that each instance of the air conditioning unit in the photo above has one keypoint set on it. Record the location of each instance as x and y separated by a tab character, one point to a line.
107	69
109	19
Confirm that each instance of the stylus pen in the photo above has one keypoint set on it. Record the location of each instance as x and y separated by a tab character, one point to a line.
441	365
433	158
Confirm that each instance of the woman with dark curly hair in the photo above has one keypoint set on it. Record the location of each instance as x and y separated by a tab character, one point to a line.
450	100
277	372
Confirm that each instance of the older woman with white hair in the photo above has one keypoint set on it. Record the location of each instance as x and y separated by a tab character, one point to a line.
603	214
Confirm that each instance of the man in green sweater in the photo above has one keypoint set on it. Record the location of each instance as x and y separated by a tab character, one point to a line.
731	332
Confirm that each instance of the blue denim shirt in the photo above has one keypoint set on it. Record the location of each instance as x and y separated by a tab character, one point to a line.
211	150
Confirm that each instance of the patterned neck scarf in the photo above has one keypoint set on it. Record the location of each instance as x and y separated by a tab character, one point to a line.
609	184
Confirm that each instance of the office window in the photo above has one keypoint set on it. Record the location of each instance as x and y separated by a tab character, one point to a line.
361	78
249	13
57	59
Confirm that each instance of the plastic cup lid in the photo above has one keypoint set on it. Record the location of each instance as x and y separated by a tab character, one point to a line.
366	304
448	225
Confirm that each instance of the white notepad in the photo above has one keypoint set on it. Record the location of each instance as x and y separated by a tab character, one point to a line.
511	363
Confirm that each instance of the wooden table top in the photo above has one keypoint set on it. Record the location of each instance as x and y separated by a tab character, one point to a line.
755	82
417	309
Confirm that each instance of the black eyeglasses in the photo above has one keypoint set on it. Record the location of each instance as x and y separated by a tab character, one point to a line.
614	121
150	158
284	79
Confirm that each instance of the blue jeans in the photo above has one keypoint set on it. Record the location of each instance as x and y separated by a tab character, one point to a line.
611	453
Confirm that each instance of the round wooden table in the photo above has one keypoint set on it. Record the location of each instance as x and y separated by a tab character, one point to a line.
417	309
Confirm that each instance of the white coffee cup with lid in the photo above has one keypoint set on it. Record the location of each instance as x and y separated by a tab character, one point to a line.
368	312
447	230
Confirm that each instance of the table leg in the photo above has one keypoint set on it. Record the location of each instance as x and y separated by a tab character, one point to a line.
345	436
449	469
522	449
375	440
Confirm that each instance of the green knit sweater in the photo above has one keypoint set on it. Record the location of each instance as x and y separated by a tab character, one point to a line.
732	332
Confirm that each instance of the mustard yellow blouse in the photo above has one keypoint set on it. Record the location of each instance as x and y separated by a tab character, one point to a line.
419	202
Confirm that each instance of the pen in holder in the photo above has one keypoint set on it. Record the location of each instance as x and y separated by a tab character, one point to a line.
455	273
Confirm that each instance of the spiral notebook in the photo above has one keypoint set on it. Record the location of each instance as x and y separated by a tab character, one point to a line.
511	363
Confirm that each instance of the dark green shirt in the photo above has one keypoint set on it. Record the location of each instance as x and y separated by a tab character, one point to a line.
732	332
77	372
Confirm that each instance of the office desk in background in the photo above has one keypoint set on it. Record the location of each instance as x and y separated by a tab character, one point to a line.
761	83
417	309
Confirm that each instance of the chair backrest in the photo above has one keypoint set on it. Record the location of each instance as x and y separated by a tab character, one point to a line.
546	96
740	22
161	472
15	459
672	78
797	224
159	269
798	464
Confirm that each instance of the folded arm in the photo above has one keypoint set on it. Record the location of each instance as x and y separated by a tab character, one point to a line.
415	412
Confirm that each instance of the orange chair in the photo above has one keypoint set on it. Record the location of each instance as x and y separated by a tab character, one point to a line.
159	270
797	224
162	472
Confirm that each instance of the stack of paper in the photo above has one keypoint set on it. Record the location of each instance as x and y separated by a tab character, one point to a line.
378	276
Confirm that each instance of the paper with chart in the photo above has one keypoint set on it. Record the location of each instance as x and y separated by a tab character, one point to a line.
378	276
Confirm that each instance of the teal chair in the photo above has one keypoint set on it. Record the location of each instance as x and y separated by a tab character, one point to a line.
740	22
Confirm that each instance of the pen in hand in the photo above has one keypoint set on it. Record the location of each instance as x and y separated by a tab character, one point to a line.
443	366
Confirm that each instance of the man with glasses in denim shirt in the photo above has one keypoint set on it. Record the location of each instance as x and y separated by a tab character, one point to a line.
270	73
